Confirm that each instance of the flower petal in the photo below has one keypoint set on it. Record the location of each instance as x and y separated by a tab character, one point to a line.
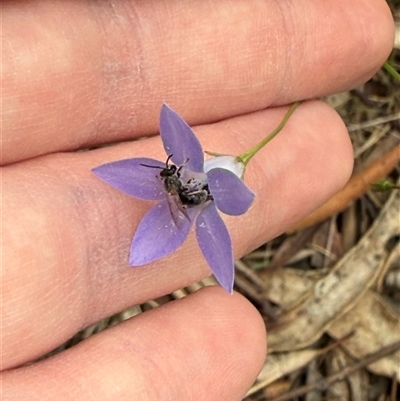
131	177
231	195
216	245
157	235
231	163
180	141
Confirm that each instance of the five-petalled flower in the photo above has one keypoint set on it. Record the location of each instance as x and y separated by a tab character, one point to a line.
181	202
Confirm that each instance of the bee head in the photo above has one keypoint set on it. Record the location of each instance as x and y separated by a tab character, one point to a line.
169	171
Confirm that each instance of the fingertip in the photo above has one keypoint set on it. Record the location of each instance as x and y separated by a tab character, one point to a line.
376	36
243	318
207	346
331	141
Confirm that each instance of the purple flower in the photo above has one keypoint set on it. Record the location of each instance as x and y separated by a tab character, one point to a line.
186	194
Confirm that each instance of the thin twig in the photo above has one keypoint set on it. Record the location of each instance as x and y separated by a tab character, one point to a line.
250	274
331	233
374	122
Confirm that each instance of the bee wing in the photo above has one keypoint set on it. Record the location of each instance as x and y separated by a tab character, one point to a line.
178	212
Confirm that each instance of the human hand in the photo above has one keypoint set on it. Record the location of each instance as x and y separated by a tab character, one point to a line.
78	74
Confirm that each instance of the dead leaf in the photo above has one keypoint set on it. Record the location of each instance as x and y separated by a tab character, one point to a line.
336	293
281	364
375	325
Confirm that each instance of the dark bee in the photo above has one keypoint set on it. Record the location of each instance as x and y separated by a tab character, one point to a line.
181	196
170	175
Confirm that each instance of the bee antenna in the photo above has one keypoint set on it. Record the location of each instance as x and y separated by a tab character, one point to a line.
146	165
180	167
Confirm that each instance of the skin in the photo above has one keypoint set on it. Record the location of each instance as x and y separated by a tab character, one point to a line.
78	74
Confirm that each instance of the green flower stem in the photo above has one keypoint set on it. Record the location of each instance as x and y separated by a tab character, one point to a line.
391	71
247	156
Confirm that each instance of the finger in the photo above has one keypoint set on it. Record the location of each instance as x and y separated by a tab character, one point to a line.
208	346
85	73
67	234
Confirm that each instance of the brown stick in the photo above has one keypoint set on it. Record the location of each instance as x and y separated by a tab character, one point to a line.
358	184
